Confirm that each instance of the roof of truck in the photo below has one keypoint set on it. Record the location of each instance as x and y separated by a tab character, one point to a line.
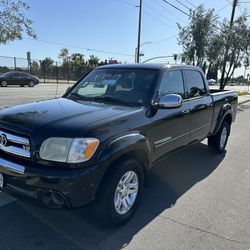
148	66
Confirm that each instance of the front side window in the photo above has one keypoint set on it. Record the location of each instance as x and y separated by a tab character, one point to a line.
171	83
195	83
127	86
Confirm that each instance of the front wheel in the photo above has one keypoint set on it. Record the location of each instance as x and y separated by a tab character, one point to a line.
120	192
218	142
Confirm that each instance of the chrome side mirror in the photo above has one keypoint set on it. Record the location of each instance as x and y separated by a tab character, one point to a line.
170	101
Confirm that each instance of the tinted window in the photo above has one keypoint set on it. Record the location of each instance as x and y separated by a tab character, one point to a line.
171	83
10	74
23	75
195	83
127	85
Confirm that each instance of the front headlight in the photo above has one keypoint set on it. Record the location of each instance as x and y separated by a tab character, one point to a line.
68	150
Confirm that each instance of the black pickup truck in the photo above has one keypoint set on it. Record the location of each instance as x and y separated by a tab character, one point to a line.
100	140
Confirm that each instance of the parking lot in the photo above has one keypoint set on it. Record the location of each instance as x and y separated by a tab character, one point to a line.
197	200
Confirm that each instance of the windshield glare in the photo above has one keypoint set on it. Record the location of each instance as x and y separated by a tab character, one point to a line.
132	86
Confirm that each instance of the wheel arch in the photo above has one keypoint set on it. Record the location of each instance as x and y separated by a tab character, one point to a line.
132	146
224	115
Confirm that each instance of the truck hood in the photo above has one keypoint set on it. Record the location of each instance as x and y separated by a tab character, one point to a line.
58	114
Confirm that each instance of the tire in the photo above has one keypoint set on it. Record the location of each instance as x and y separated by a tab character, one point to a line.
218	142
4	83
113	199
31	84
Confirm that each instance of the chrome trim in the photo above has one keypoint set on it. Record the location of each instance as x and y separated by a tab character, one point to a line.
178	137
16	151
124	136
12	166
15	138
194	130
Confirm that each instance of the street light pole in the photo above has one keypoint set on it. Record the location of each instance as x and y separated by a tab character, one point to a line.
136	49
227	47
139	34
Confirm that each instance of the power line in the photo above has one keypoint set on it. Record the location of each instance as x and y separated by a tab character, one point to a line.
157	11
165	39
163	6
182	4
222	8
76	47
190	3
176	7
127	3
159	20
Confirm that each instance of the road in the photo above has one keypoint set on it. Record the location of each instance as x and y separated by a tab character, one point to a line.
197	200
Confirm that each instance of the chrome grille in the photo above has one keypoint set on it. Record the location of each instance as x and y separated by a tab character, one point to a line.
14	144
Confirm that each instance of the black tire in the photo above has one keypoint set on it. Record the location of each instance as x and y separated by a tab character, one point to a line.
216	142
4	83
31	84
105	204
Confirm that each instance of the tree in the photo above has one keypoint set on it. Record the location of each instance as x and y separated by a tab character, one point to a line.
246	64
237	39
46	65
77	59
65	67
64	55
13	22
93	61
78	64
195	38
215	56
34	66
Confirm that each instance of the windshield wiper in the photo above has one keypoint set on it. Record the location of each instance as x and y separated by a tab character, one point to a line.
81	97
112	99
109	99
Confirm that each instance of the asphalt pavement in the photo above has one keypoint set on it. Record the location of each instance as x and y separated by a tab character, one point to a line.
197	200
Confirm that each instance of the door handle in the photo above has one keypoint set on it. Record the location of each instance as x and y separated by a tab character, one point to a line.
209	105
186	112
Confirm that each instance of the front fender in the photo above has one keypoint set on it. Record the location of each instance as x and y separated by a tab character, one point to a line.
133	143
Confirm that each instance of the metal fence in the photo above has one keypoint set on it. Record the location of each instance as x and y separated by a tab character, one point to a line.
48	71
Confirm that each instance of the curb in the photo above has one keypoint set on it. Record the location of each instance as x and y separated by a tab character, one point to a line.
243	102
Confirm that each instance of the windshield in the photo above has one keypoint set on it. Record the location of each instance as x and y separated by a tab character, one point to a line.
124	86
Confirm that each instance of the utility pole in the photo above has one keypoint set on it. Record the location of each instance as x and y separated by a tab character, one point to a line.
139	34
227	46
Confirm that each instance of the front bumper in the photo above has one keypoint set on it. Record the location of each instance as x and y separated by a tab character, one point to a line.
72	187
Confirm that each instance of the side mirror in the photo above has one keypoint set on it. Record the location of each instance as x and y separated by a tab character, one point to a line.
170	101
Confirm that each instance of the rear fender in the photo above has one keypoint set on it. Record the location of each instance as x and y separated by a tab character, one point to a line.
225	110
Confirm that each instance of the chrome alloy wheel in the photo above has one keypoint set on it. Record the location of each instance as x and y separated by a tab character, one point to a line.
126	192
223	137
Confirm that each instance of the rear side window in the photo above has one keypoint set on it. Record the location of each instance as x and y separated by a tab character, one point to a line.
195	83
172	83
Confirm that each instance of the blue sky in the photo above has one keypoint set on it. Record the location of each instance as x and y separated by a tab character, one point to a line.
109	25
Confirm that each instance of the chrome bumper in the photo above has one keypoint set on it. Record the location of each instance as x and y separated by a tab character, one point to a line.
16	168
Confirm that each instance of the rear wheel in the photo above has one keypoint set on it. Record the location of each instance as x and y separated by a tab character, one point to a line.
120	192
4	83
31	84
218	142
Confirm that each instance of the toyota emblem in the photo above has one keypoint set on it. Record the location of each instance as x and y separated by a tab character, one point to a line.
3	140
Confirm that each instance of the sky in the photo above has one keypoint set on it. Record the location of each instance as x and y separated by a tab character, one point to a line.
97	26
